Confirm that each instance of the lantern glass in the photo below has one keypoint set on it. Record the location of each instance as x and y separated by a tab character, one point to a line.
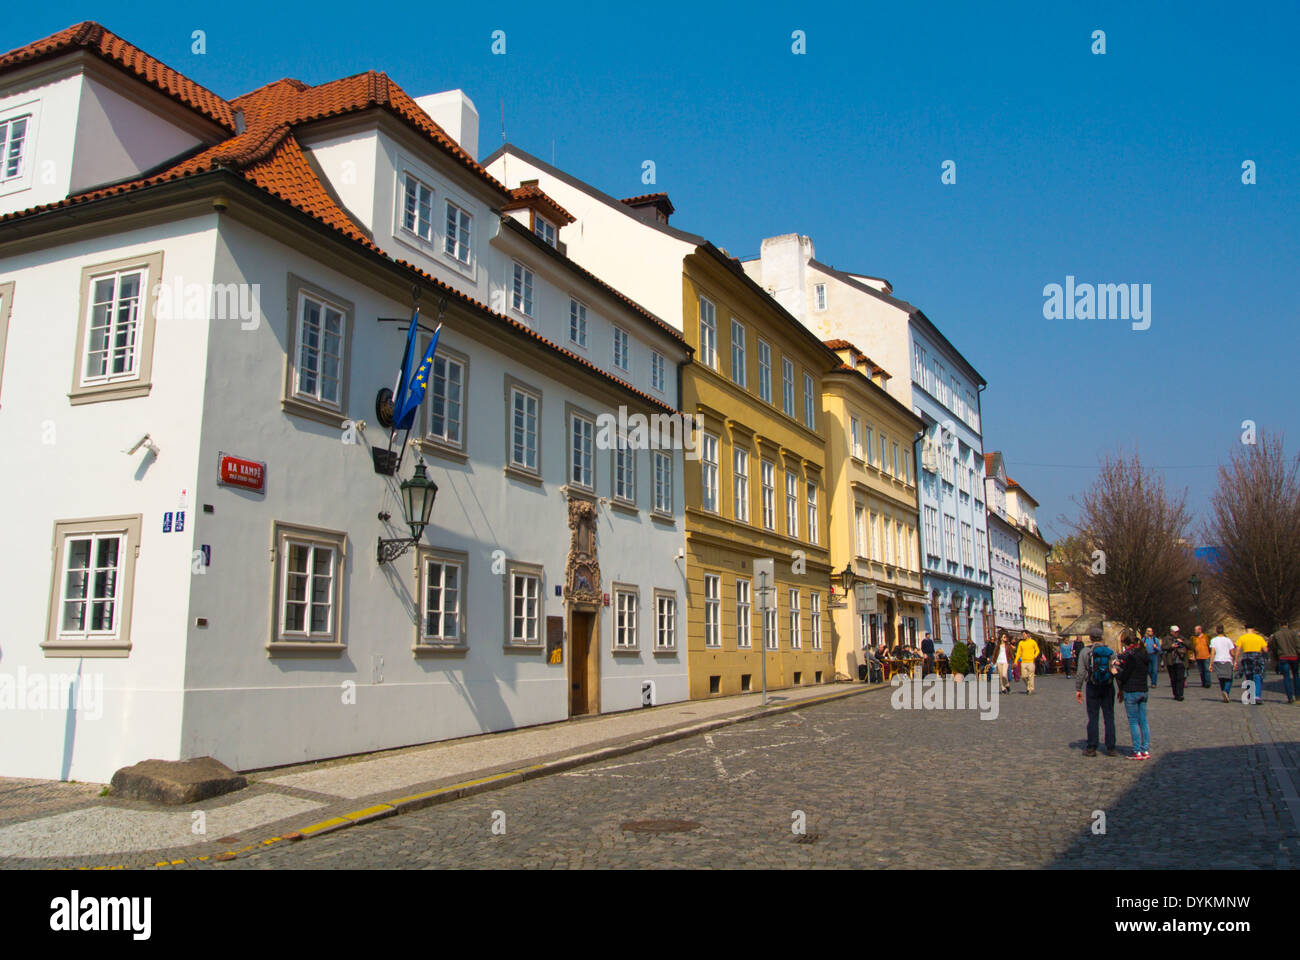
1195	584
847	578
418	495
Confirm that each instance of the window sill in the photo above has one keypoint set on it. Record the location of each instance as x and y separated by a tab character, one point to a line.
439	649
114	648
665	518
626	651
433	448
111	391
624	507
304	648
523	647
519	473
665	651
312	411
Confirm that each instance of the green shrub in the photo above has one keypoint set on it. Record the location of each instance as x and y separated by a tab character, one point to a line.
959	660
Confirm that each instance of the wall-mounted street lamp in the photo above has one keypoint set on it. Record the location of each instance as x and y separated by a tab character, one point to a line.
847	578
418	495
1194	585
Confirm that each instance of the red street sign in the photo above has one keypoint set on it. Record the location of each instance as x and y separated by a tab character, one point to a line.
238	472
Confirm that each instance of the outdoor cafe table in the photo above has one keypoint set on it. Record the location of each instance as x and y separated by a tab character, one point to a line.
905	665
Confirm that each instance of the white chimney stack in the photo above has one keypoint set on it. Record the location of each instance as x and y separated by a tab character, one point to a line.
455	113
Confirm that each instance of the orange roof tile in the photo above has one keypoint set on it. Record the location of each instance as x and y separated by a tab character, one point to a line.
531	195
113	49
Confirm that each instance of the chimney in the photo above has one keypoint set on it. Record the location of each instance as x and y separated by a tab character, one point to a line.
456	114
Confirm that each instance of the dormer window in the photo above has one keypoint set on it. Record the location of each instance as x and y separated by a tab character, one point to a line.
417	212
13	141
544	229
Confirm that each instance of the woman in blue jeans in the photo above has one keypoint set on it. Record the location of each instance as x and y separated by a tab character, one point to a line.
1130	671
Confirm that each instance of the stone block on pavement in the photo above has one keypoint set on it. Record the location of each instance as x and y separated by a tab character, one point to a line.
176	781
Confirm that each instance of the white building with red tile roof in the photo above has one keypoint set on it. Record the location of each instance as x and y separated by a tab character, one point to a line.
193	296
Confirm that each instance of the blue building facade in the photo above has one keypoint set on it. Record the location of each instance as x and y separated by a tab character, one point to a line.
954	522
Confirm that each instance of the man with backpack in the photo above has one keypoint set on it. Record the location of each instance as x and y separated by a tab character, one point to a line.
1094	671
1152	645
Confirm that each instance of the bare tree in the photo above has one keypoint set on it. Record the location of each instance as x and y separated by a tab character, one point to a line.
1255	524
1140	559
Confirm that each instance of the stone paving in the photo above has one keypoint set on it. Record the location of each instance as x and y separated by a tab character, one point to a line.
884	788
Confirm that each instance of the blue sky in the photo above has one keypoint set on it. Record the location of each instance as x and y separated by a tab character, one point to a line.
1120	168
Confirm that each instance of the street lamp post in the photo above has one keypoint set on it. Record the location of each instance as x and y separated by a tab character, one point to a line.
418	494
1194	584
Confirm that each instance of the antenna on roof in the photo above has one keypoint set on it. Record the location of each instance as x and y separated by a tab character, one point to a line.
552	151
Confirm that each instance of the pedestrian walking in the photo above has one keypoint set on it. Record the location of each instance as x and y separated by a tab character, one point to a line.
1152	645
1223	653
1285	648
927	651
1094	687
1003	664
1174	650
1067	655
1201	650
970	653
1026	655
1252	657
1132	671
1078	648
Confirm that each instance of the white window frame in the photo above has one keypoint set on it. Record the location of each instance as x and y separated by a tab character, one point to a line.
814	528
622	350
787	386
577	322
663	482
545	230
855	437
709	473
519	433
623	481
744	614
771	636
708	333
461	239
658	371
712	610
815	618
665	620
809	402
424	200
738	372
582	444
764	371
819	296
445	436
792	504
796	627
301	346
441	639
767	479
740	486
627	617
136	325
523	583
522	285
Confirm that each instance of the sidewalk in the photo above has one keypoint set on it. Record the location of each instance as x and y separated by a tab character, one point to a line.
46	824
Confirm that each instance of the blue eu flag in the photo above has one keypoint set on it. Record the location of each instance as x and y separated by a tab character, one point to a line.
411	392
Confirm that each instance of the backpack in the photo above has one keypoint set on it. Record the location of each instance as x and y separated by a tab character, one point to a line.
1101	656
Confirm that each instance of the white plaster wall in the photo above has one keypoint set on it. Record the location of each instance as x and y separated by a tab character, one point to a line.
66	462
117	138
349	163
249	710
53	101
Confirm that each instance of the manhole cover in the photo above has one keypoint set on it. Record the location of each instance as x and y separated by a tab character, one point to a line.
659	826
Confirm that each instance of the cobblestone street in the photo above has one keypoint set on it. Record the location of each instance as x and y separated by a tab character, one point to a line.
883	788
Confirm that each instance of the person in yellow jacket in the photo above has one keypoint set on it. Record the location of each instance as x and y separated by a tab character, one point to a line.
1026	656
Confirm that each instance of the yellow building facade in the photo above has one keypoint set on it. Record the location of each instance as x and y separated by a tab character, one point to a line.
757	488
874	510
